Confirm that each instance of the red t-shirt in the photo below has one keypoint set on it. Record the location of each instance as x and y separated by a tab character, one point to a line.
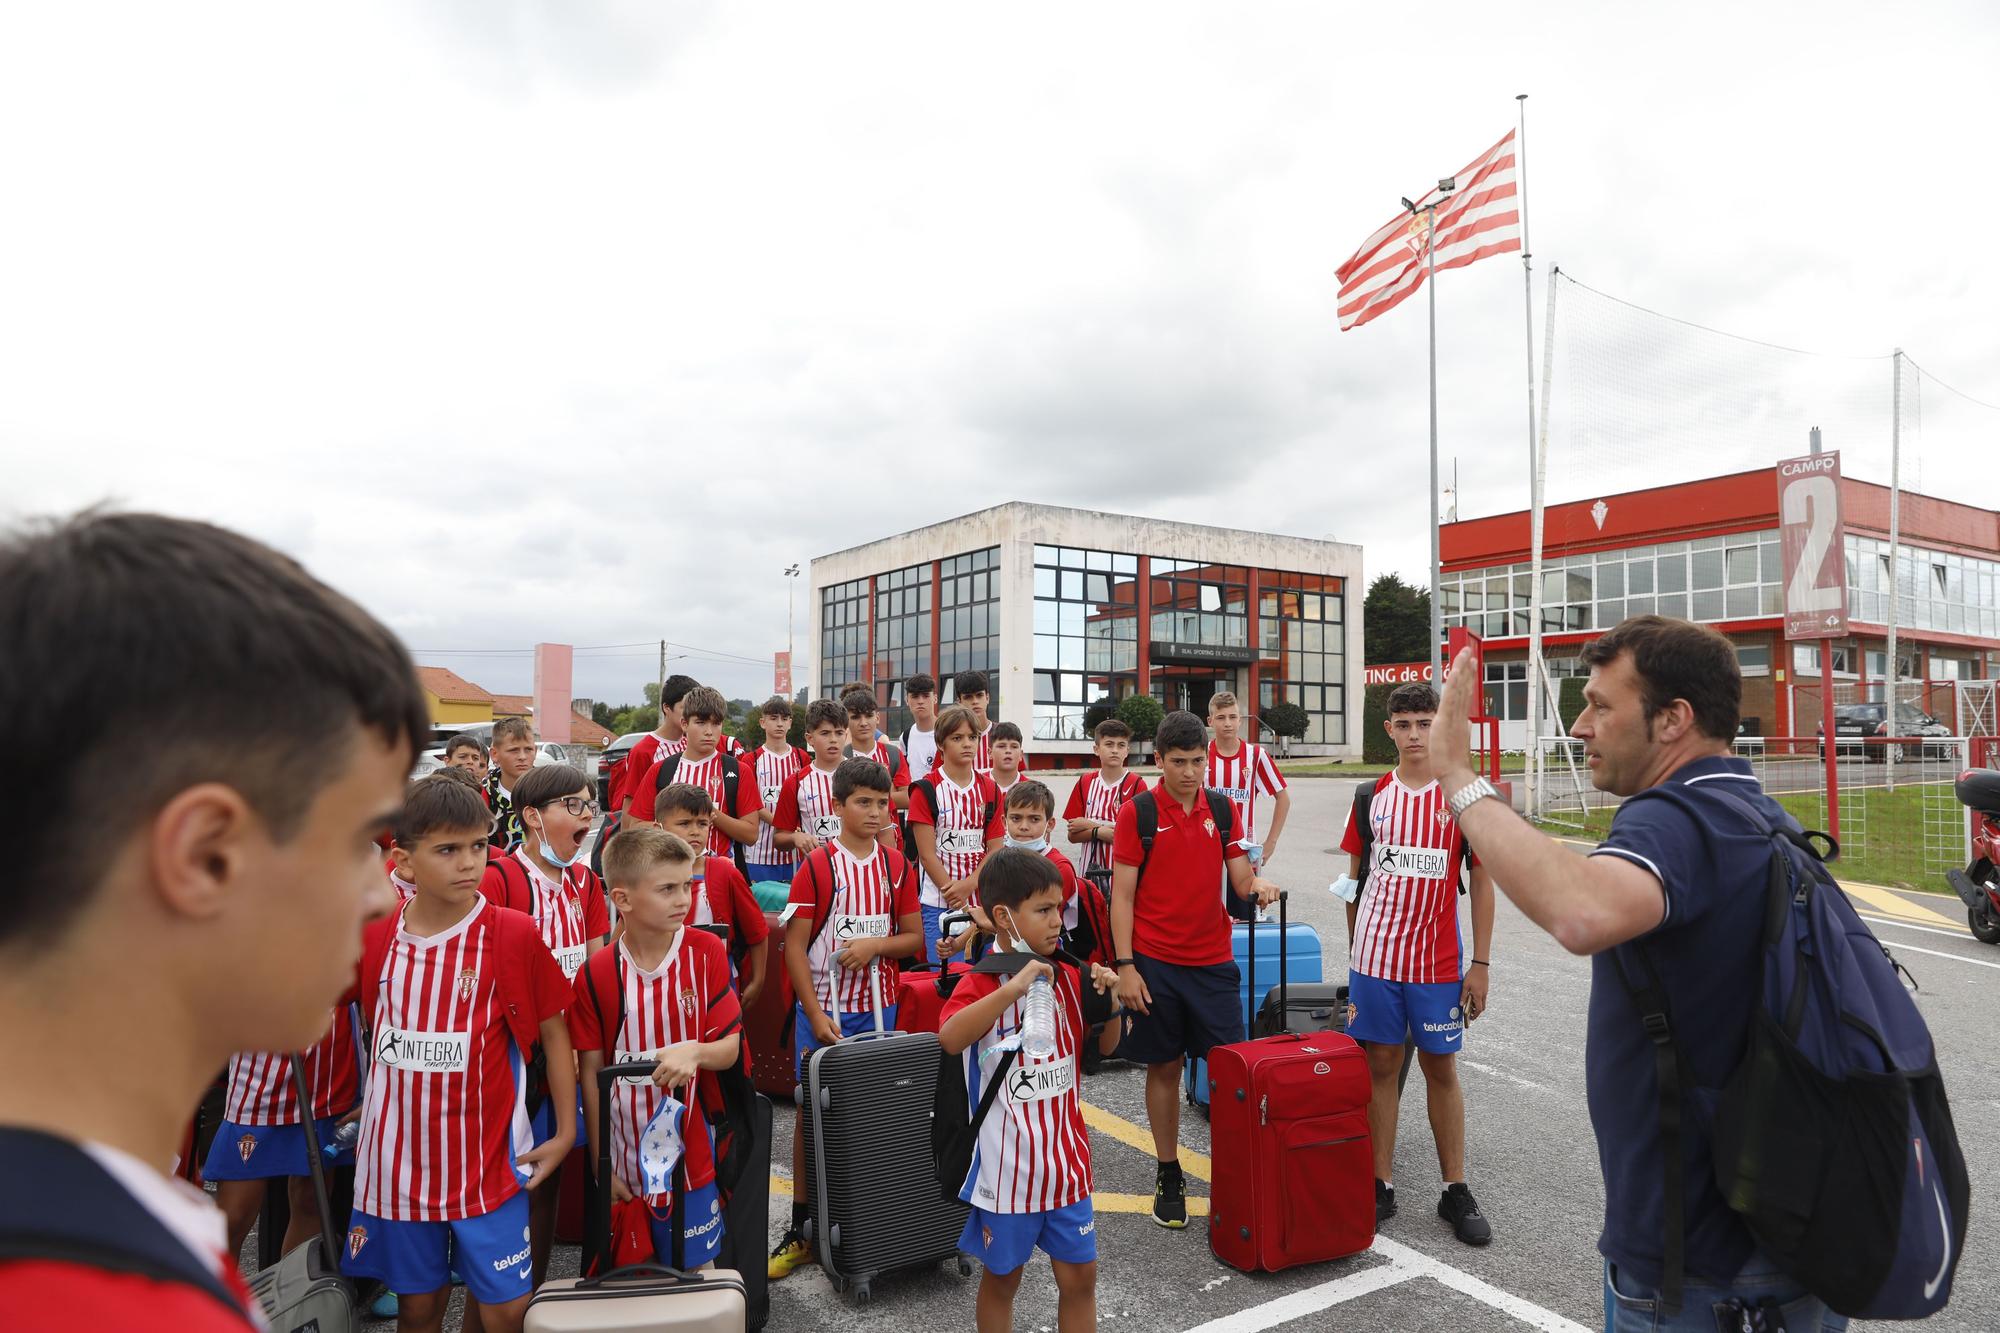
1177	915
723	898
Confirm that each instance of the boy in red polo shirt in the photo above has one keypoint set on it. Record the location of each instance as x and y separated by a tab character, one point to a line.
1176	970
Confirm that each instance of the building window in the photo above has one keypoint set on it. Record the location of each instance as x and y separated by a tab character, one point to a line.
1301	623
902	638
1935	589
1753	659
843	639
1197	603
1805	659
1086	635
969	621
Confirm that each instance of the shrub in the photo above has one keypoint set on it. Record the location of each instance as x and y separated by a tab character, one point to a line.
1287	719
1142	713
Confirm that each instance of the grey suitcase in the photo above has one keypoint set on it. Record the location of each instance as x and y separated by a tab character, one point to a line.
304	1292
637	1296
865	1103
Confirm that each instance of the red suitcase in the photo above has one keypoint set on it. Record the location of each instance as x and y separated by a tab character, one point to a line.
767	1027
1294	1170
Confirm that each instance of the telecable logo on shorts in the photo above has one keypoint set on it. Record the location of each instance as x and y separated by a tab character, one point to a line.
423	1052
1411	862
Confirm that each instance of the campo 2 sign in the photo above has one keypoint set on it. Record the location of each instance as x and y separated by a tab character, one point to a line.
1810	533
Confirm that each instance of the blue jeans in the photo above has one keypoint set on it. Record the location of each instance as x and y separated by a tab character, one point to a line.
1631	1308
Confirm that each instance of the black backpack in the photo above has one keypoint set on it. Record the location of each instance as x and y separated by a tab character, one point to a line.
1146	809
732	774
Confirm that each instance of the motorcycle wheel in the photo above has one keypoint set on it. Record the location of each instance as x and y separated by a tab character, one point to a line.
1985	924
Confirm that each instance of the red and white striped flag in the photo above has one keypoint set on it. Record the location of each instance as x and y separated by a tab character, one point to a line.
1481	217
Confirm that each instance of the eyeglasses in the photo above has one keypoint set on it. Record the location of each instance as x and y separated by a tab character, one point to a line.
578	805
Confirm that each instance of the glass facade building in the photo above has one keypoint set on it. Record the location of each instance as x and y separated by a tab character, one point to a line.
1067	609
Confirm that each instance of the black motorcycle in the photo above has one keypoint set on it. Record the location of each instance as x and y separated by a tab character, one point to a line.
1979	883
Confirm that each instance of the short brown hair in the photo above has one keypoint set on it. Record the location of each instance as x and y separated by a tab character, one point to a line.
679	797
825	712
233	662
859	699
1412	696
1678	659
464	741
547	783
952	720
776	706
512	729
453	773
918	686
1028	792
439	802
637	848
1113	728
702	704
1221	699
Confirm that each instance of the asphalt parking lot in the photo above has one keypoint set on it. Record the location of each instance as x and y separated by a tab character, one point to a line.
1531	1155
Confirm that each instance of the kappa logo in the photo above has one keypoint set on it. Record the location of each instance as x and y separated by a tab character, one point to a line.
246	1147
356	1238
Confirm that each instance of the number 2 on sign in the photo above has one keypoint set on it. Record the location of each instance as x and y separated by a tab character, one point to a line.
1812	501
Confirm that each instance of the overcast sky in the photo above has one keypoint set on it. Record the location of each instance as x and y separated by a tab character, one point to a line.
572	322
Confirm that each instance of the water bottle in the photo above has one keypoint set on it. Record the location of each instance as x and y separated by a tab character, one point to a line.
1038	1020
344	1139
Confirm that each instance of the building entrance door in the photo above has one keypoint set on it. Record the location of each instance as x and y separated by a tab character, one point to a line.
1191	689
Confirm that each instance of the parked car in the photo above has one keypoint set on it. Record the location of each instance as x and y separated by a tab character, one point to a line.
1863	729
608	756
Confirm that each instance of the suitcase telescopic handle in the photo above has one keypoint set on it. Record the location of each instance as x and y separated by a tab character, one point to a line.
329	1242
601	1213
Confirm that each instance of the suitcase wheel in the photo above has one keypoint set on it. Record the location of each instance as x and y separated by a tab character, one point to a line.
862	1294
964	1266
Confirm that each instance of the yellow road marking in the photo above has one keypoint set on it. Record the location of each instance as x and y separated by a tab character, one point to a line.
1111	1201
1138	1136
1890	903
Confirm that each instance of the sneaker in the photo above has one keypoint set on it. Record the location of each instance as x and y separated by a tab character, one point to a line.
1385	1202
1170	1197
384	1306
1457	1206
792	1252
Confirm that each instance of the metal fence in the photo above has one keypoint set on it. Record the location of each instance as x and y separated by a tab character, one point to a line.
1899	820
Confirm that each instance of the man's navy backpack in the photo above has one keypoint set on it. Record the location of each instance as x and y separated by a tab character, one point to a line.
1832	1139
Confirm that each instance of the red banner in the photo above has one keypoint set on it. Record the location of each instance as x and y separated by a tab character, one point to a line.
1810	532
781	675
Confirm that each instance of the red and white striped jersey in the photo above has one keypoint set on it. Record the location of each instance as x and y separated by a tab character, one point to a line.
772	770
445	1113
645	752
1406	928
865	898
260	1082
981	762
1094	798
707	775
405	890
1241	777
805	804
965	818
688	997
563	912
1033	1152
724	744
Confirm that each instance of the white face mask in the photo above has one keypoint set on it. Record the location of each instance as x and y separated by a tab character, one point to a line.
560	862
1040	844
660	1148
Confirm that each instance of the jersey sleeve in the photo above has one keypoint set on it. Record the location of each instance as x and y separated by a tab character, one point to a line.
1350	839
749	800
785	816
901	777
549	989
645	795
1074	810
971	988
1068	871
921	810
1664	839
1126	848
908	902
1268	776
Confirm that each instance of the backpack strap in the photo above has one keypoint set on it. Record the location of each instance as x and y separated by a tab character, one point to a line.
668	767
607	1032
1364	828
986	1098
822	908
1146	817
1223	811
513	876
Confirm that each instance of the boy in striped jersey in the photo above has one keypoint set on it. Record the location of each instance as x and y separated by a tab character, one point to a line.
513	758
455	992
1029	1185
1009	762
865	742
768	866
1408	974
1092	811
1241	770
969	691
721	896
954	821
729	780
806	818
661	993
857	904
260	1135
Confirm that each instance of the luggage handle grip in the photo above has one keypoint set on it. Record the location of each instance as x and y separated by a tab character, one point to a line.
638	1270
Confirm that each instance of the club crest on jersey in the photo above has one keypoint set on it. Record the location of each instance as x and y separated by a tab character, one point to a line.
356	1238
1208	826
687	1001
468	979
246	1147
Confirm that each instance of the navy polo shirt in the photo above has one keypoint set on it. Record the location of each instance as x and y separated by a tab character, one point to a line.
1714	871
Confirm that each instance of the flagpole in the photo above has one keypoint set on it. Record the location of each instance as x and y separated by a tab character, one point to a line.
1533	764
1437	580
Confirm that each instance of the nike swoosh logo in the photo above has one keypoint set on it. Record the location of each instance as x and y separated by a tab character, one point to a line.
528	1273
1944	1228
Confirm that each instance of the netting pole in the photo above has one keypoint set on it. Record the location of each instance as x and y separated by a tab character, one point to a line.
1538	470
1895	556
1528	329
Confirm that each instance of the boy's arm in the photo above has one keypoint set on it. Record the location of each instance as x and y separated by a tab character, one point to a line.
1132	992
1282	808
908	940
975	1020
543	1161
1248	883
1353	908
925	836
798	938
741	823
588	1062
1477	973
755	963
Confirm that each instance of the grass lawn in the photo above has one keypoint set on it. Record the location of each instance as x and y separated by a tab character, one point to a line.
1889	848
1509	763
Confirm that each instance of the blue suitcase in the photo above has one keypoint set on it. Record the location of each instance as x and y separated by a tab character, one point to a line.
1300	962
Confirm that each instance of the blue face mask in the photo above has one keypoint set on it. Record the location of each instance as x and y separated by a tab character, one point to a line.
561	863
1040	844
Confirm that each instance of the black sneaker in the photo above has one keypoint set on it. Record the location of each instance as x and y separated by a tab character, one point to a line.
1385	1202
1170	1197
1457	1206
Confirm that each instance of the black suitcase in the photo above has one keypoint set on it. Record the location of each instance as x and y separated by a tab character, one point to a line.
1316	1006
865	1104
747	1219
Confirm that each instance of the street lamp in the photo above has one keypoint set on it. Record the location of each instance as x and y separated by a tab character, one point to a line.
791	583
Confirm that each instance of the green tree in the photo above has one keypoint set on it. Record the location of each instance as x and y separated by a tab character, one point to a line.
1142	713
1376	747
1396	622
1287	719
602	713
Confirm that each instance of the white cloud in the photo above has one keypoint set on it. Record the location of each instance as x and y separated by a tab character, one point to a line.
535	321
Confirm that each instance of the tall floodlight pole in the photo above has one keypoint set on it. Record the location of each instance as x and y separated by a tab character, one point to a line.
791	618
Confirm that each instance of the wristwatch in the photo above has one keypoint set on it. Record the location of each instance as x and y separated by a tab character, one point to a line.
1472	792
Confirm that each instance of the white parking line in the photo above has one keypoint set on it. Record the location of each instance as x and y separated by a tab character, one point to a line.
1939	953
1405	1265
1911	925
